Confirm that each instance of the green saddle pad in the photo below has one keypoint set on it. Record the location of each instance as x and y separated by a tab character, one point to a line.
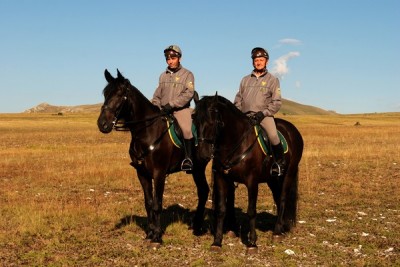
175	138
265	146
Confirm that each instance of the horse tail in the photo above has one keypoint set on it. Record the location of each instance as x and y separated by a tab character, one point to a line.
291	197
290	194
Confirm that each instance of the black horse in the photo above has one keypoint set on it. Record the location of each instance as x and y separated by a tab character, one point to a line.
153	154
229	137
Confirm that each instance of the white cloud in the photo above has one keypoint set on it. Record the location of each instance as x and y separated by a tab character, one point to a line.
298	84
290	41
280	67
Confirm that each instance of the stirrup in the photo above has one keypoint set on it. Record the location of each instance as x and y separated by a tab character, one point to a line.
187	164
276	169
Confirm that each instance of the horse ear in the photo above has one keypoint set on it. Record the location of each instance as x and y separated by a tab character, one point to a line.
216	96
108	76
196	97
119	75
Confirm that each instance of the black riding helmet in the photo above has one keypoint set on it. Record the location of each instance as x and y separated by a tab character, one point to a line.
259	52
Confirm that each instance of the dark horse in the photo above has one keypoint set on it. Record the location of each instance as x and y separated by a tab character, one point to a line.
228	136
153	154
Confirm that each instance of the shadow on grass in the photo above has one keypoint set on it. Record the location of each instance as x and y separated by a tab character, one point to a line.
172	214
265	222
175	213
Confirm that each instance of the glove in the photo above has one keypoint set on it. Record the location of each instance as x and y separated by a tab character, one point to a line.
258	117
167	109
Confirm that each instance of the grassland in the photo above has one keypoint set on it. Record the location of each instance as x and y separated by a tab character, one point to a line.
68	197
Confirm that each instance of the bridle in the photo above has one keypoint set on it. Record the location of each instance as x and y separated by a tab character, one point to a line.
126	123
148	121
118	111
231	158
116	115
213	140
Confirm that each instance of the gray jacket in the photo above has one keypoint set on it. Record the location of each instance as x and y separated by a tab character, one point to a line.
175	88
259	94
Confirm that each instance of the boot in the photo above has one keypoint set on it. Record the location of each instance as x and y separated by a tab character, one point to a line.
187	163
278	168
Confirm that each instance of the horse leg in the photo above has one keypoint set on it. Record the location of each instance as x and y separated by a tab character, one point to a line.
220	186
276	186
147	187
252	191
285	196
159	184
230	219
202	195
289	197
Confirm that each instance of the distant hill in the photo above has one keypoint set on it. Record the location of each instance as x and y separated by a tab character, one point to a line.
288	108
293	108
47	108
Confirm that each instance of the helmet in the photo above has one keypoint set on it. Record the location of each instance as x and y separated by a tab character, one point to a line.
259	52
173	50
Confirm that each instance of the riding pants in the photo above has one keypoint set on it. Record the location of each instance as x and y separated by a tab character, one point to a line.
269	126
184	118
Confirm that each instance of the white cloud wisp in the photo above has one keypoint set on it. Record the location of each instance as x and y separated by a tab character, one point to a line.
290	41
280	67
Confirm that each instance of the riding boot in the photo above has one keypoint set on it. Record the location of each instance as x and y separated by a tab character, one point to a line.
187	163
278	168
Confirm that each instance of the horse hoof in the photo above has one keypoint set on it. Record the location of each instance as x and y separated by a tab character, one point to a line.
252	250
215	248
277	238
231	234
198	232
155	245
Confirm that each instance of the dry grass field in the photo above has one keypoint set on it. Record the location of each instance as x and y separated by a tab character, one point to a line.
68	197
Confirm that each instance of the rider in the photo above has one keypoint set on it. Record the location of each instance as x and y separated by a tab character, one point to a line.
173	95
260	92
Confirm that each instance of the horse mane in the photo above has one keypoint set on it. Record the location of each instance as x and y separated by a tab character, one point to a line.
113	85
110	87
209	101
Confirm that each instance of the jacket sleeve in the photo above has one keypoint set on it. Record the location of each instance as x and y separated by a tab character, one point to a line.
186	95
276	102
238	98
156	100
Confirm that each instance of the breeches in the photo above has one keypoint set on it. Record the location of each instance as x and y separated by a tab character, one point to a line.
269	126
184	118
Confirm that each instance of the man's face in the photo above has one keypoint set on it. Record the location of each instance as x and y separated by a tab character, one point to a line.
260	63
173	62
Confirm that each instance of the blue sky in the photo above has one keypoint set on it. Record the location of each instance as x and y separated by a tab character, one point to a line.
340	55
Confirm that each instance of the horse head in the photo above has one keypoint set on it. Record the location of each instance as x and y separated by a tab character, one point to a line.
207	119
115	101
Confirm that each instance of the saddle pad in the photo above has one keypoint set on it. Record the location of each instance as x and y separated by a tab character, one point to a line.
177	140
265	146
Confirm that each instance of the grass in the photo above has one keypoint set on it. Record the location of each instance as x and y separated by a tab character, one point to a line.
69	198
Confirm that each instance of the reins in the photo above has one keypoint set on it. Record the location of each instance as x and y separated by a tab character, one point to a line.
151	119
230	160
115	120
127	123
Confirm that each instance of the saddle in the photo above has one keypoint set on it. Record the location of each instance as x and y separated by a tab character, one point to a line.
175	132
264	143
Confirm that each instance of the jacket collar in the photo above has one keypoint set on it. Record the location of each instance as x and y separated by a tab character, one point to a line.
168	70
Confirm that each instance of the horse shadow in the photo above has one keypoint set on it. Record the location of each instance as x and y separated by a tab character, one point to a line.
172	214
265	221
